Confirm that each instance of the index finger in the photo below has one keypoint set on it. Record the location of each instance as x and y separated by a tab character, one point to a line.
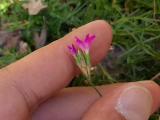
51	68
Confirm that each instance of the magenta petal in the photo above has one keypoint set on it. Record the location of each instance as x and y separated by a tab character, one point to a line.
85	45
80	43
77	39
87	37
90	39
73	50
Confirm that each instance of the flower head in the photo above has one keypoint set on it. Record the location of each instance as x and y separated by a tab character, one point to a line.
81	54
85	44
73	50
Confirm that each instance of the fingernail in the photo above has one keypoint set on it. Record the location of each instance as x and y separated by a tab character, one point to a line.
135	103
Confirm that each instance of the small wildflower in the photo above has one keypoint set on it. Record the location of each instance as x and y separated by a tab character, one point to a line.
82	56
85	44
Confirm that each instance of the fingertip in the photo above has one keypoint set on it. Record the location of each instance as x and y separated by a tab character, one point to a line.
154	88
103	34
102	24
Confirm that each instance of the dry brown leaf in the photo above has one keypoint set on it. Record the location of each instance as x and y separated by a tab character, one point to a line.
3	37
40	39
13	40
9	40
34	6
12	43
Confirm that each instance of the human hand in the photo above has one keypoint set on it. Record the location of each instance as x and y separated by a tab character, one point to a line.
32	88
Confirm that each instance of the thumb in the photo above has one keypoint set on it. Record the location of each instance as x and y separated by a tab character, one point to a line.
129	102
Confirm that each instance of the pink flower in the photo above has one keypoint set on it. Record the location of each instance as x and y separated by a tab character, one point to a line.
73	50
86	43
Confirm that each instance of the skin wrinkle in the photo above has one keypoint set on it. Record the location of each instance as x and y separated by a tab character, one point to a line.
12	84
27	96
23	94
12	92
29	93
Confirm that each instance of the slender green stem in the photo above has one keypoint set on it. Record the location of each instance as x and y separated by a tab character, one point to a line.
90	82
